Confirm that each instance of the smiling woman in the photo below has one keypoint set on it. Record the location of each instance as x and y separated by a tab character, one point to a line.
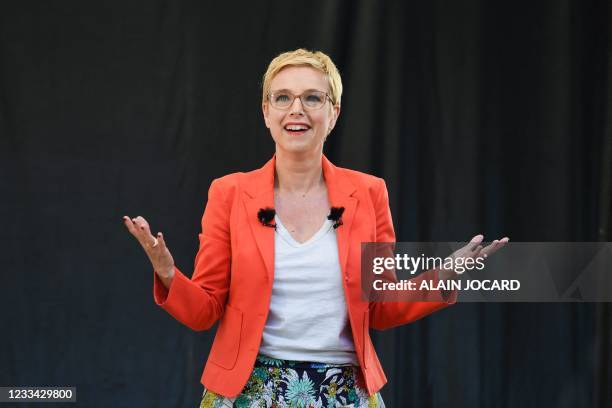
296	110
279	261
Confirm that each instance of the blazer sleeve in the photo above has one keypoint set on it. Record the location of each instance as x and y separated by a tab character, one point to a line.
198	302
384	314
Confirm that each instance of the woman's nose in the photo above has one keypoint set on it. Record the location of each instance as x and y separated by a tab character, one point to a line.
296	107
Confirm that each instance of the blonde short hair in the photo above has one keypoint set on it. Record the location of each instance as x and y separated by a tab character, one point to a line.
302	57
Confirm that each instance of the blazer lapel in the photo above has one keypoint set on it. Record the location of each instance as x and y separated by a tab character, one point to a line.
259	193
339	191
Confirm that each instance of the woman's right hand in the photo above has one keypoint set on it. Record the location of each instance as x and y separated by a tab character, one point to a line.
154	247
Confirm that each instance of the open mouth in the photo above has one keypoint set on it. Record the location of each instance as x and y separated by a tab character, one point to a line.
296	129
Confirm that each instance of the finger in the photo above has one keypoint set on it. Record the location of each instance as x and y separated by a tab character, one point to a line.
135	222
495	246
501	243
474	242
133	228
143	234
162	241
138	231
150	242
153	243
127	221
489	249
143	228
477	238
140	222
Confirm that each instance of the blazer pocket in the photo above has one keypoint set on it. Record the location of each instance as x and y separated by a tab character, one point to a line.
224	351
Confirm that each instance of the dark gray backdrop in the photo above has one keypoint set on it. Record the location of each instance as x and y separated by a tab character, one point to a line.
482	116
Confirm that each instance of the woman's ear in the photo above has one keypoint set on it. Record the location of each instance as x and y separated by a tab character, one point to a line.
265	111
334	118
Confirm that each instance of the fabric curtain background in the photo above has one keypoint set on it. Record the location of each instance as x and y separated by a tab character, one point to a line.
482	116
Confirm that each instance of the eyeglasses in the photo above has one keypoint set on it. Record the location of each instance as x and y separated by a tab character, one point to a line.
311	99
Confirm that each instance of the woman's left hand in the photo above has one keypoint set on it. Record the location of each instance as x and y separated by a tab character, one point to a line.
474	249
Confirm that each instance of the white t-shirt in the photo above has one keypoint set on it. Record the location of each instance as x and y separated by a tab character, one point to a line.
308	319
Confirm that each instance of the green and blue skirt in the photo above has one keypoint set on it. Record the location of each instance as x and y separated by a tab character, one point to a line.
298	384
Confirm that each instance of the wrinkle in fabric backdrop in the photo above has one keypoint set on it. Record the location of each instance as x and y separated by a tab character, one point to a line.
488	117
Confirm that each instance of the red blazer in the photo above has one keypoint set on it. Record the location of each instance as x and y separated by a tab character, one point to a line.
234	272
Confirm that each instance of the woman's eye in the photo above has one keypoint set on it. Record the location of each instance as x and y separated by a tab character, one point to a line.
313	98
281	98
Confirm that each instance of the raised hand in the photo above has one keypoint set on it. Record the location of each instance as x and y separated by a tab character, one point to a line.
474	249
154	247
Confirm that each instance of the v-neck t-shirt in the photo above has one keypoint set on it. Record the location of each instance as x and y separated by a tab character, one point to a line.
308	319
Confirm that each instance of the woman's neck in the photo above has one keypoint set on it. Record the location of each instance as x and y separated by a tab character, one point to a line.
298	174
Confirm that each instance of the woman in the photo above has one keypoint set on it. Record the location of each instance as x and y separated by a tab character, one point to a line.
279	261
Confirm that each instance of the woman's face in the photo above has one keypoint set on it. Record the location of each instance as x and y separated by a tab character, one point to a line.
296	129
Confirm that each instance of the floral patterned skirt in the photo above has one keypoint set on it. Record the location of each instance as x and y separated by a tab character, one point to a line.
298	384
